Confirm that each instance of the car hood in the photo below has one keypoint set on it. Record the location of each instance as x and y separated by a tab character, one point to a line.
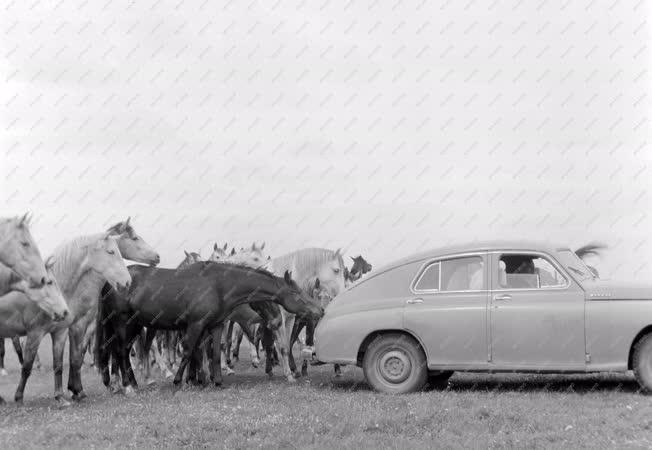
617	290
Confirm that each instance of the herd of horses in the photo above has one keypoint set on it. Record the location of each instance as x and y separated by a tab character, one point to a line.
85	294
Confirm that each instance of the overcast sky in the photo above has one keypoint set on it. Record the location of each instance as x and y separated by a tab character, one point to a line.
379	127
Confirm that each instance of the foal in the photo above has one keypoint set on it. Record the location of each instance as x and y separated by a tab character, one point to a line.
197	299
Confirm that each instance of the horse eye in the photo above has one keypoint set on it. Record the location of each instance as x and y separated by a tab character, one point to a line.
135	238
336	270
24	244
50	282
110	252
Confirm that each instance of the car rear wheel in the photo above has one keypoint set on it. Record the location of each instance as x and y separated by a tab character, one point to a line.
642	362
394	363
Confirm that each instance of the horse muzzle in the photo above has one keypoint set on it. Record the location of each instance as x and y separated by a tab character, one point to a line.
59	317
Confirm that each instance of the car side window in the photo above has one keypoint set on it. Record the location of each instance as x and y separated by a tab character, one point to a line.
462	274
429	279
455	274
523	271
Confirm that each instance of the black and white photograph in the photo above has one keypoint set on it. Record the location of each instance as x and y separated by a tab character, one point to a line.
325	224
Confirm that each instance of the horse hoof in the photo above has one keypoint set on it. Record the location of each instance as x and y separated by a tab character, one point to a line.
79	396
62	402
2	401
255	363
338	374
270	375
129	392
3	372
168	374
297	374
150	381
304	372
291	379
228	371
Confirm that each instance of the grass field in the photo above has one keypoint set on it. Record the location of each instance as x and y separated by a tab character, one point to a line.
324	412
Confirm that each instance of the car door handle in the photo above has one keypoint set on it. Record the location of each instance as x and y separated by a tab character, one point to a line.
414	301
502	297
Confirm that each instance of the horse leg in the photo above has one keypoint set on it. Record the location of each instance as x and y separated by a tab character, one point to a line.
192	336
147	346
268	345
215	366
31	349
15	341
255	343
75	340
239	334
160	360
228	341
3	371
86	343
296	329
282	336
58	344
223	354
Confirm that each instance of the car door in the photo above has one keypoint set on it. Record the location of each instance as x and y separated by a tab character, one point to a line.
448	310
536	314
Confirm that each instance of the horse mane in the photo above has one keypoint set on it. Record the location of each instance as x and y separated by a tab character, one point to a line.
592	249
68	256
305	262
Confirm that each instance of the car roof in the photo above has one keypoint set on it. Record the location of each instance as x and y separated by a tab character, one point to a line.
477	246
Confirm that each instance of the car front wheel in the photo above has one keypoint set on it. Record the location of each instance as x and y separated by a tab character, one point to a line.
642	362
394	363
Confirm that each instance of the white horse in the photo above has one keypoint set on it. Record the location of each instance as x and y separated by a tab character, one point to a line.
19	252
80	268
306	266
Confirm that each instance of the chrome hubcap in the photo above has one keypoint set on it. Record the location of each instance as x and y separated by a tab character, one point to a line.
394	366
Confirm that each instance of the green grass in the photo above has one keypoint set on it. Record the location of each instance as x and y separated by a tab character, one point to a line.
323	412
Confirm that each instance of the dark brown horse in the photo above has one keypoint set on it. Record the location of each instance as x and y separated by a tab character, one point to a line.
196	299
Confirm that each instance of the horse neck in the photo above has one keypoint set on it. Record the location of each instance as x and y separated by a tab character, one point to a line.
86	290
7	278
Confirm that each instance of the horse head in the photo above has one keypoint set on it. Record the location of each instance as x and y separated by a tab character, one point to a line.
219	253
250	257
132	246
104	258
19	252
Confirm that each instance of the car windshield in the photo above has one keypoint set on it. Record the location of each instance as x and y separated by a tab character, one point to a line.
575	265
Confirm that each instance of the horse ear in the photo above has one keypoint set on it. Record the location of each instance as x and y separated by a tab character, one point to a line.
24	220
253	246
317	283
262	246
127	222
352	258
215	246
187	254
233	251
225	245
49	262
287	276
337	252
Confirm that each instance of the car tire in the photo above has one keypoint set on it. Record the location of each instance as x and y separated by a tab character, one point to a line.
394	363
642	362
439	379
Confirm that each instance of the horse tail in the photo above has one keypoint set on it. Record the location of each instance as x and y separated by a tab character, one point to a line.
594	248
